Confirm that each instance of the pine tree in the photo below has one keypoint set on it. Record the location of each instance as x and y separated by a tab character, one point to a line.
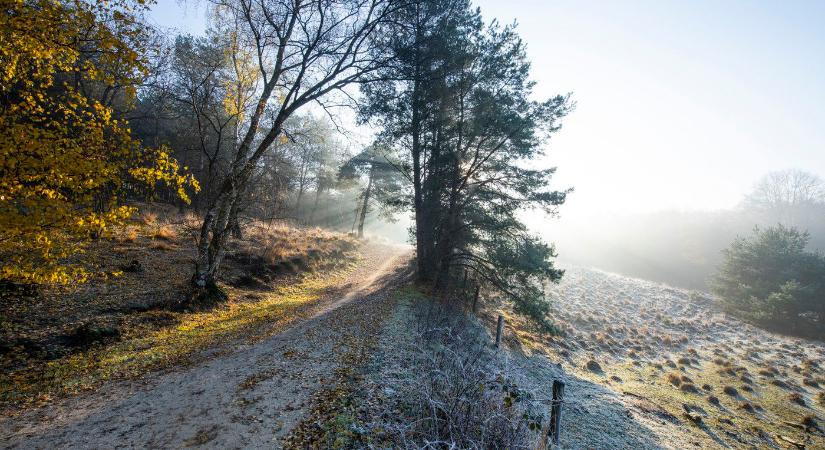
457	107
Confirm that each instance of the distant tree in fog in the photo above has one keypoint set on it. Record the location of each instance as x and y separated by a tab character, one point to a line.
788	196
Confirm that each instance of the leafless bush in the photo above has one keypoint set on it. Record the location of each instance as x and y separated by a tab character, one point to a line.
460	393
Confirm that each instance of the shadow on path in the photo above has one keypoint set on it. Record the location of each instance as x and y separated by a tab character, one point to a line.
250	397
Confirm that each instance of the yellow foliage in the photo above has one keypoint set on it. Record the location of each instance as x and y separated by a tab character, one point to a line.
64	159
240	89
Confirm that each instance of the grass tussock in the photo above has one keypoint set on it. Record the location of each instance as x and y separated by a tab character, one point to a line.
689	388
674	378
730	390
127	236
165	232
593	366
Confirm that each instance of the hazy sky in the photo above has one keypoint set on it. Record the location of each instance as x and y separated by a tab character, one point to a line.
681	105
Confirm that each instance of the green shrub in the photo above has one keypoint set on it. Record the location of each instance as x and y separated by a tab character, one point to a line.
771	279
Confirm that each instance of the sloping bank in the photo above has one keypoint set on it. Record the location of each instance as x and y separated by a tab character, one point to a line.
428	376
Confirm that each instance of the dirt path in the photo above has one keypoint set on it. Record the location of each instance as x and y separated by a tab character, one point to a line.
251	397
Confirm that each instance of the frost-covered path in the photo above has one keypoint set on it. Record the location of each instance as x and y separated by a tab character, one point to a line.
249	397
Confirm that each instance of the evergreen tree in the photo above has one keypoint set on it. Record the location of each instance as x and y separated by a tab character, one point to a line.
771	278
457	107
384	184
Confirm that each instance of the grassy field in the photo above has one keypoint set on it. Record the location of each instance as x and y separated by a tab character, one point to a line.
684	369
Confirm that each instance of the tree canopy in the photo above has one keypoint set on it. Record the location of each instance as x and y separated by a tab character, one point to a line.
69	68
771	278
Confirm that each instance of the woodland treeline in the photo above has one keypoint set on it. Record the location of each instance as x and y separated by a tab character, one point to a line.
248	123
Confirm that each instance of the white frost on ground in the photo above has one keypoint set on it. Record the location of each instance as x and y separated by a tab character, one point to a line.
615	319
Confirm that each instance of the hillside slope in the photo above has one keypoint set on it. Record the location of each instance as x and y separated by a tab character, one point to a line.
133	318
249	394
650	366
357	356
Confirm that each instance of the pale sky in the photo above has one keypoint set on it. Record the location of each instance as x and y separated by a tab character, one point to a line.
681	105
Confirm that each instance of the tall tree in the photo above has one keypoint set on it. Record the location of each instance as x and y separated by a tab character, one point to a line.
383	186
458	107
791	197
303	50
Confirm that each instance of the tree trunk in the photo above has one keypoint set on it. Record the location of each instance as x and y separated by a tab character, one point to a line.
236	230
366	203
213	236
318	192
418	195
217	224
298	202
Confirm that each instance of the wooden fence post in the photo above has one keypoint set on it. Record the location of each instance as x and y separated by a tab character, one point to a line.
498	329
555	411
475	298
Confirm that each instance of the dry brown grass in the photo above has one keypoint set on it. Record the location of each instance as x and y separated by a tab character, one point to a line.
674	378
278	243
730	390
149	218
128	236
165	232
162	246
